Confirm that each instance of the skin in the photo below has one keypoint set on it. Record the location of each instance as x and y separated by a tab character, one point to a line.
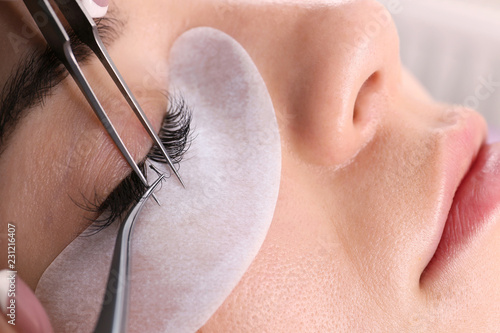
365	155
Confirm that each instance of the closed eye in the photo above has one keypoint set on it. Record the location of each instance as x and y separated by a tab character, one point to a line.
176	135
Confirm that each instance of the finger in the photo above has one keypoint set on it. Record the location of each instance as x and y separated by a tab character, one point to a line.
5	327
22	308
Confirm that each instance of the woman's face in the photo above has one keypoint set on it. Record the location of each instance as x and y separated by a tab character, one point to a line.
370	168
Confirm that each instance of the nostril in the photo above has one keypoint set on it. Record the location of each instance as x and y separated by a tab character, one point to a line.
363	106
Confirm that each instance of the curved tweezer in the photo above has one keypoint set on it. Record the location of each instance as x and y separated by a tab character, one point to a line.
113	317
86	30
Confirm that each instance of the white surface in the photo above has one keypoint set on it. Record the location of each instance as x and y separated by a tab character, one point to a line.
191	252
453	47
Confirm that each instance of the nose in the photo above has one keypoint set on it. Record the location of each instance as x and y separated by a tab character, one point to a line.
333	77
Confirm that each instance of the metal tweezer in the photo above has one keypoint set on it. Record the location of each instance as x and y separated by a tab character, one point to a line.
86	30
114	310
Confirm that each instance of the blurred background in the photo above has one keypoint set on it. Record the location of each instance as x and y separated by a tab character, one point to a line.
453	47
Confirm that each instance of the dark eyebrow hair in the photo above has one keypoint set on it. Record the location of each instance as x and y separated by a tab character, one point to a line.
34	79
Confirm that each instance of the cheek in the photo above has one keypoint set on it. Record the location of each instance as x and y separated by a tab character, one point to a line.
284	291
303	286
302	279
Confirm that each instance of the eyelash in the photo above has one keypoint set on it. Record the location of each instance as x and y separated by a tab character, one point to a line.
175	133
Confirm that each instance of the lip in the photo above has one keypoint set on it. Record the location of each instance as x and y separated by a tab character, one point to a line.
475	204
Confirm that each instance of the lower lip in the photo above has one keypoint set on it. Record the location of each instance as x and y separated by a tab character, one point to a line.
475	205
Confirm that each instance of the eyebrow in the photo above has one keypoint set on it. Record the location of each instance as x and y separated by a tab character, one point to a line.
40	72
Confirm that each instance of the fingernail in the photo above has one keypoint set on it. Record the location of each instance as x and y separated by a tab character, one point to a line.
21	306
96	8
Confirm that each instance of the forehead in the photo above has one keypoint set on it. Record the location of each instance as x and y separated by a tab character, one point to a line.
18	35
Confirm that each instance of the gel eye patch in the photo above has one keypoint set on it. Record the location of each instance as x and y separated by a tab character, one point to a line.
189	253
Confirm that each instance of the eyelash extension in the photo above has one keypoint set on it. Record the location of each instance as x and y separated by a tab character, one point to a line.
175	134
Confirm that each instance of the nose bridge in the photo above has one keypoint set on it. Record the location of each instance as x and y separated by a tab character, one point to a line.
346	63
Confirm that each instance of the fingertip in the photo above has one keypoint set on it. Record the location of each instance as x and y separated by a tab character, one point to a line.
20	305
4	290
96	8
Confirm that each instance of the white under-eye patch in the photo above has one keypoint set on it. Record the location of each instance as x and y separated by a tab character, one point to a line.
192	251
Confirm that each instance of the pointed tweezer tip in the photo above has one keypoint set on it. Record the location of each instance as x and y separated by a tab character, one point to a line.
175	171
156	199
153	167
179	178
169	161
